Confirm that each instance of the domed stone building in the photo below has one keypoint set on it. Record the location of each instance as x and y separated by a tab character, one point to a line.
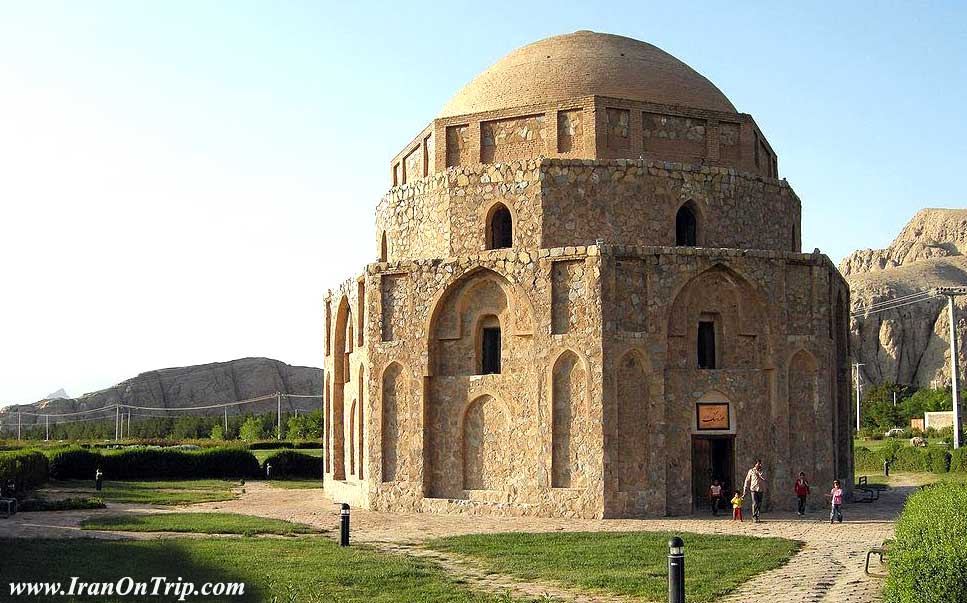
589	301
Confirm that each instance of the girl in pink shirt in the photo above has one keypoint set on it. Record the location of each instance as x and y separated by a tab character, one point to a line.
836	497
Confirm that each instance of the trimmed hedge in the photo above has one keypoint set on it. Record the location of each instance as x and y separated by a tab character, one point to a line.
73	463
930	550
28	468
289	463
910	459
958	460
155	463
938	460
865	459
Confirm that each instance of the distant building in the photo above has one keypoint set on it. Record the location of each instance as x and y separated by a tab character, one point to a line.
938	420
589	301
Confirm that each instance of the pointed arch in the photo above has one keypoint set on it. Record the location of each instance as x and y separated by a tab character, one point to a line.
352	439
456	322
728	311
500	227
687	225
383	248
570	445
393	424
633	426
360	423
803	386
340	375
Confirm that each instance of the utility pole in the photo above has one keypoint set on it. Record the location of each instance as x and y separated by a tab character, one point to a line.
117	424
47	420
226	421
129	423
951	293
19	424
858	365
278	398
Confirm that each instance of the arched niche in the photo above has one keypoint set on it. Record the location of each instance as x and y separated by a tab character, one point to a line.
570	422
478	300
724	302
340	375
633	429
393	425
803	384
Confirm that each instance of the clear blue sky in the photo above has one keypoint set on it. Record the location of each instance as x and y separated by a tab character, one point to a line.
182	181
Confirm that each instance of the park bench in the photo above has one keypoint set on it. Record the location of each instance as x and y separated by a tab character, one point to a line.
869	493
883	552
7	501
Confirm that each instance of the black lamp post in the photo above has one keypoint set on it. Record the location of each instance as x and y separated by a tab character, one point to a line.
344	525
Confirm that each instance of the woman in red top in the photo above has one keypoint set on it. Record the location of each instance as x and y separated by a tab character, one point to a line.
802	491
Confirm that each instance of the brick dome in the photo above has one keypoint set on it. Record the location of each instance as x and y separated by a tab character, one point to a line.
586	63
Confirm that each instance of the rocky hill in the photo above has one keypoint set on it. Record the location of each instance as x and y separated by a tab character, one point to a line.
193	386
909	344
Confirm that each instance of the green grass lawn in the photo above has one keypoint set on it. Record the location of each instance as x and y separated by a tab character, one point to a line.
303	570
202	523
876	445
918	479
296	483
625	563
261	455
151	493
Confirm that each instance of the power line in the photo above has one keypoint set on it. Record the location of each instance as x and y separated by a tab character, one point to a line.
867	312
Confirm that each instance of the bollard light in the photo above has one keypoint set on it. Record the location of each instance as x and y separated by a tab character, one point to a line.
344	525
886	467
268	470
98	479
676	570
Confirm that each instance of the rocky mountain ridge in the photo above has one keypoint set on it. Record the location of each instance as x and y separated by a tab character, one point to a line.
179	387
909	344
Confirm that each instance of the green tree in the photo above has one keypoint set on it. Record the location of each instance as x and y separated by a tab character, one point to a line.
252	429
218	432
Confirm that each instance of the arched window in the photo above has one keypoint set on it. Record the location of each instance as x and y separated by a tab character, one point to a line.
489	345
686	227
500	228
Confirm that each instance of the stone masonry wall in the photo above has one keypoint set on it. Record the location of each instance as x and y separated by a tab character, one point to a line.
592	420
561	202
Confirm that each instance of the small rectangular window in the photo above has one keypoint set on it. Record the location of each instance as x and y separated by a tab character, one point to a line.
490	359
706	345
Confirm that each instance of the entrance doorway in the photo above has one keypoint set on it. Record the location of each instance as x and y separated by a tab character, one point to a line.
713	457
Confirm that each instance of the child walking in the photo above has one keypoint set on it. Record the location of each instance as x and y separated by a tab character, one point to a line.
836	498
737	506
802	491
715	496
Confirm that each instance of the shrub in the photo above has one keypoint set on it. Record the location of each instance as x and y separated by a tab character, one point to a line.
865	459
289	463
938	460
155	463
65	504
308	445
930	549
252	429
269	445
958	460
218	432
910	459
28	468
73	463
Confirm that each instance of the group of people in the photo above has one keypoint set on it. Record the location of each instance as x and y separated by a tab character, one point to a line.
755	482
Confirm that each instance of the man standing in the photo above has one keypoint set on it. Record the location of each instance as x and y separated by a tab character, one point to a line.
755	482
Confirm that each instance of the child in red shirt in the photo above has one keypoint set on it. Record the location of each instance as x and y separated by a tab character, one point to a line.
802	491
